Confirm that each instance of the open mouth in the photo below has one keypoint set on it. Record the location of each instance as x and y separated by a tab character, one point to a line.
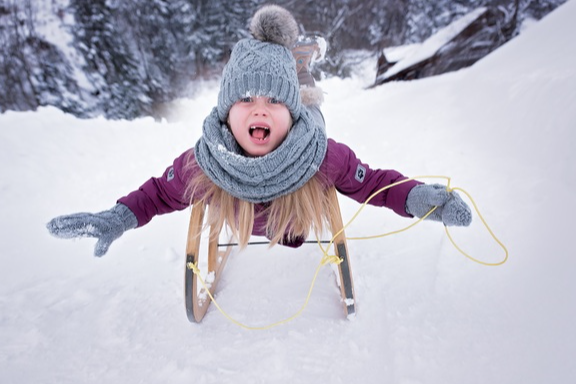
259	133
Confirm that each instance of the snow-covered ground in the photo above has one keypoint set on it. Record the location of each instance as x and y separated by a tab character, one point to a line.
503	130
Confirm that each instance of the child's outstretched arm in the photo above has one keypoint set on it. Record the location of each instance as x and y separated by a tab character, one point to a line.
157	196
106	226
410	198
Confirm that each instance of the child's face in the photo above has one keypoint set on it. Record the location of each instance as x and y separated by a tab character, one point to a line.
259	124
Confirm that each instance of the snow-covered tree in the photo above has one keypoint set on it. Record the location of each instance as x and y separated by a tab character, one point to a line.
33	72
137	56
111	64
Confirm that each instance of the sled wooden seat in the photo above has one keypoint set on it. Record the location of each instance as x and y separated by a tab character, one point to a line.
197	300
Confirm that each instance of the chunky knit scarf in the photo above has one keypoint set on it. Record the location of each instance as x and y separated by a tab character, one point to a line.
265	178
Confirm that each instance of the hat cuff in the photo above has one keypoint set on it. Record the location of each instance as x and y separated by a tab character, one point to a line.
258	84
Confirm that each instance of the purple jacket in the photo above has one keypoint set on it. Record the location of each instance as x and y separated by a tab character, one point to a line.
341	168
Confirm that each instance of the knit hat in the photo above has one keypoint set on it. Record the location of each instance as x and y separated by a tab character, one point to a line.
263	65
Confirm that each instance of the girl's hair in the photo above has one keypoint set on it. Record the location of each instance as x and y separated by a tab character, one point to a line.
289	217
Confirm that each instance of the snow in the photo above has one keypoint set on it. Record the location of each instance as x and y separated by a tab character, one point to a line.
502	129
395	54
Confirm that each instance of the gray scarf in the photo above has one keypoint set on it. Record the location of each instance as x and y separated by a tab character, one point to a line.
265	178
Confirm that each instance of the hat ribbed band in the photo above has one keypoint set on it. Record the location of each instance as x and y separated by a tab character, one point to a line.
258	84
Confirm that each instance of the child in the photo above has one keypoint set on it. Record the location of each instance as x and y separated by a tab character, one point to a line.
263	162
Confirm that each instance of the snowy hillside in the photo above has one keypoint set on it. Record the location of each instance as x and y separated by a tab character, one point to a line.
502	129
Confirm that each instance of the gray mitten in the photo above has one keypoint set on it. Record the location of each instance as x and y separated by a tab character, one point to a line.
106	226
452	210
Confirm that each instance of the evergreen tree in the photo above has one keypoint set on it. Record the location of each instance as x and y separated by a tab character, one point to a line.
111	64
142	54
33	72
18	92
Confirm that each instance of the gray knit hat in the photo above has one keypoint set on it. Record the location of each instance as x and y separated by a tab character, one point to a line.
263	65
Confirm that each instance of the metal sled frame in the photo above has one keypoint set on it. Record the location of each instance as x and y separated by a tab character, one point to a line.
197	301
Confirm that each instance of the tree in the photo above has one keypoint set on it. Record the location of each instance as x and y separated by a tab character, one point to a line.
110	63
138	56
33	72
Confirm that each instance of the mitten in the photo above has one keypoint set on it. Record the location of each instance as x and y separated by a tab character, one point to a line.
106	226
452	210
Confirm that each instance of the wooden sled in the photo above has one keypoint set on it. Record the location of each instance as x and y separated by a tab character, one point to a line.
196	299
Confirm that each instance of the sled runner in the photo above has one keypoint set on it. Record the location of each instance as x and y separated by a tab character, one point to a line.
195	297
345	282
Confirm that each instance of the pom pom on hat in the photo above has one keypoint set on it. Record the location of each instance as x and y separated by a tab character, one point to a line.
274	24
263	65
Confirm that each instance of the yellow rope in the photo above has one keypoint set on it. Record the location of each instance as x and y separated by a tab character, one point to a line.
487	228
449	188
326	258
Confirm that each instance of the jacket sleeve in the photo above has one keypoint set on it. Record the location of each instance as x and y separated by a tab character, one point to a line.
160	195
357	180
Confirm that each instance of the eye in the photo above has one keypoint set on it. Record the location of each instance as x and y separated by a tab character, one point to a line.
274	100
246	99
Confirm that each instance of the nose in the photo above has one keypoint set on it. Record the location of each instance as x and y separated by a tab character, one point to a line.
260	107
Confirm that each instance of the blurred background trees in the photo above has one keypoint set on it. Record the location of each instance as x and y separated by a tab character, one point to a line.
126	59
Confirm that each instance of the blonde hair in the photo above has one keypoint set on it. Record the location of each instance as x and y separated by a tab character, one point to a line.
288	217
